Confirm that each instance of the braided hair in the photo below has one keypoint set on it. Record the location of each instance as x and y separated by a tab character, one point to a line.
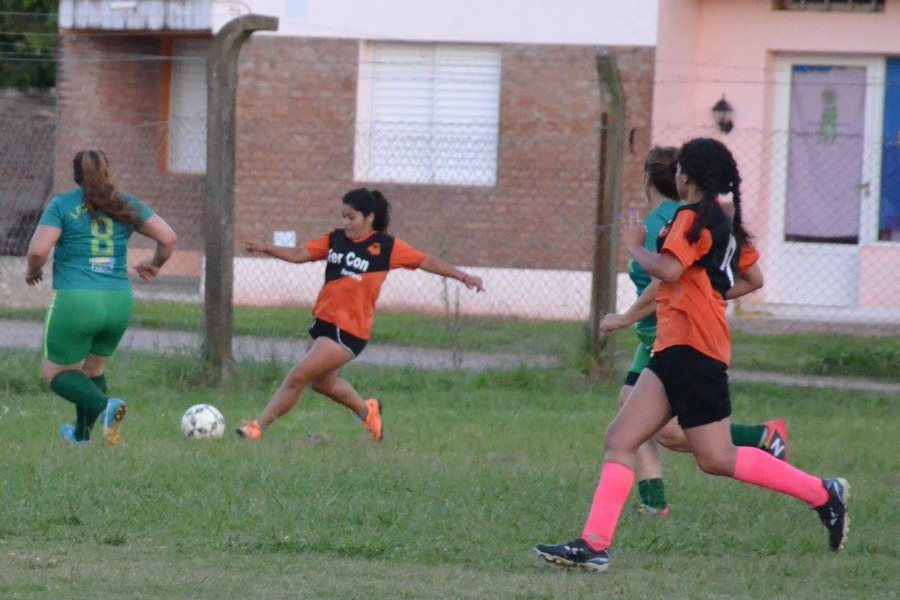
711	166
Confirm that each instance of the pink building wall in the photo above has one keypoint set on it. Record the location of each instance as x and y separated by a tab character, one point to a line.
707	48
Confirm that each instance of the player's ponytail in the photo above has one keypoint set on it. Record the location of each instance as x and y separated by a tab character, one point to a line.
660	168
91	172
712	168
370	202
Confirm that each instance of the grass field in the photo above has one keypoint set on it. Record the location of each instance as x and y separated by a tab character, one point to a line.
808	354
474	470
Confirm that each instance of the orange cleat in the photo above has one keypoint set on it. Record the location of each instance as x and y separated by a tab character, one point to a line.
249	430
373	418
776	440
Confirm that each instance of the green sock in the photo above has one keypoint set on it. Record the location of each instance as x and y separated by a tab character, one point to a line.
78	389
747	435
653	493
85	420
100	382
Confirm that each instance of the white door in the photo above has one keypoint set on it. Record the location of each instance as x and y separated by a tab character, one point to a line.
825	168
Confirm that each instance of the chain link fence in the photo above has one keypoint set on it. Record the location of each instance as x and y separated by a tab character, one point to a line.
513	203
822	208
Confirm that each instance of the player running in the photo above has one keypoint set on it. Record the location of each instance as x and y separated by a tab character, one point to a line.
687	375
88	229
358	258
771	436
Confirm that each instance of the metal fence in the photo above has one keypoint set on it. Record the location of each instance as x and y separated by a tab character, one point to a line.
517	207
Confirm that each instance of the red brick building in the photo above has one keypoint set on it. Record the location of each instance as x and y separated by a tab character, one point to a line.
488	150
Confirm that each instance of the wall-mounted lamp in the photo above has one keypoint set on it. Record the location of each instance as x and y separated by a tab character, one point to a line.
722	112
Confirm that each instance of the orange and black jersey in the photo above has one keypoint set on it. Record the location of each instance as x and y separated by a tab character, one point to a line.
691	310
354	273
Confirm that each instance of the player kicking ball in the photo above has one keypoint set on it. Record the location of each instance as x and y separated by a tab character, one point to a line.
358	258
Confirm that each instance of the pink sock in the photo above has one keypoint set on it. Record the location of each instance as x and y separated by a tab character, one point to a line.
612	492
762	469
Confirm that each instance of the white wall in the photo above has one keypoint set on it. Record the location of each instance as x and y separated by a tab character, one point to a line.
523	293
588	22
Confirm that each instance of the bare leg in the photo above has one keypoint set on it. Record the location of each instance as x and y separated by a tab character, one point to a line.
339	390
648	464
712	448
645	413
94	366
324	356
49	370
672	437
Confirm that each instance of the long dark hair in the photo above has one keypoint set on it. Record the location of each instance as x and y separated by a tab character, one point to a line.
660	168
370	202
91	172
712	168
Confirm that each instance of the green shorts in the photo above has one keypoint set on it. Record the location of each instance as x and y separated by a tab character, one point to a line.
82	322
646	337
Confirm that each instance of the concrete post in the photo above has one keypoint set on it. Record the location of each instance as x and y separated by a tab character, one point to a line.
221	85
606	244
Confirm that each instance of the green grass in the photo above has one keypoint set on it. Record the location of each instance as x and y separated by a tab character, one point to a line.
802	354
473	471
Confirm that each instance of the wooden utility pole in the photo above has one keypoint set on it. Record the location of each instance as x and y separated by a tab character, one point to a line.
221	112
609	190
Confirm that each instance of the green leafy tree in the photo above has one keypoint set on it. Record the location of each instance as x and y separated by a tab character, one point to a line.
28	43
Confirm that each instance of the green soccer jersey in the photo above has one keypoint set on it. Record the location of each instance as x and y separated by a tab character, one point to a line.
658	218
89	255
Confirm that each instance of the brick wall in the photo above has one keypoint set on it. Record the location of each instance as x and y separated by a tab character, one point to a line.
295	144
297	106
112	97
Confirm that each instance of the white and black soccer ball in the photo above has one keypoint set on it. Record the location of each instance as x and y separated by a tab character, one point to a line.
203	422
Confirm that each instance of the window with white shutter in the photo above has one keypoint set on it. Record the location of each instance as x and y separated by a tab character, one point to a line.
428	113
187	108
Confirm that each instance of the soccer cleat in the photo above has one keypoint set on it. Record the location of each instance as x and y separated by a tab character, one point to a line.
249	430
574	554
111	417
373	418
67	433
775	441
650	511
834	512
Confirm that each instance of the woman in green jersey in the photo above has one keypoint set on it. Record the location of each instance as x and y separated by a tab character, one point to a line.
660	188
88	229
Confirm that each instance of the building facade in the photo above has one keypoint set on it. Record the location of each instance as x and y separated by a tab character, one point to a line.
480	124
815	93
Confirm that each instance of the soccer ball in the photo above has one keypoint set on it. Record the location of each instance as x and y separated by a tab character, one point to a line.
203	421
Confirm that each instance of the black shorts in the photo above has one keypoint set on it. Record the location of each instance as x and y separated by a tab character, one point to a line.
353	344
696	385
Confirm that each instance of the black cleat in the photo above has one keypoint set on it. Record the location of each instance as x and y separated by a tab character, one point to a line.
574	554
834	512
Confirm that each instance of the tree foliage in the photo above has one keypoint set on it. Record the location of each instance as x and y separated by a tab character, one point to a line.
28	43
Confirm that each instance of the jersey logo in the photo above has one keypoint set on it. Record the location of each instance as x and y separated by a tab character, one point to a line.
374	249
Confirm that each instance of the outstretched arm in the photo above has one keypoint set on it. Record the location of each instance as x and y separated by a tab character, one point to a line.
291	255
445	269
39	249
